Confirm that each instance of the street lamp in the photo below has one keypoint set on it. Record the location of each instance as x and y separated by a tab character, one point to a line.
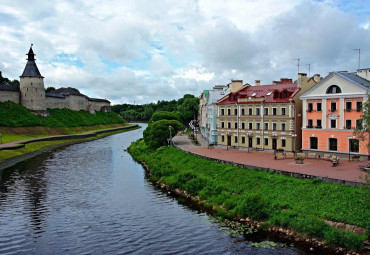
227	140
170	134
248	135
349	147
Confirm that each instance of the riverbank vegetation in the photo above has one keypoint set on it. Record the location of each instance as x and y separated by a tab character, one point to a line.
186	109
273	199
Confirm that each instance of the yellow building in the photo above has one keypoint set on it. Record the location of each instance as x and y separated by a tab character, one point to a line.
265	117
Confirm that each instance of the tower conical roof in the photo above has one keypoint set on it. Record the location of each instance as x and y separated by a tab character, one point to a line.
31	69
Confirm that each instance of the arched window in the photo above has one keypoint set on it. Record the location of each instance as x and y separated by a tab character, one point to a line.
333	89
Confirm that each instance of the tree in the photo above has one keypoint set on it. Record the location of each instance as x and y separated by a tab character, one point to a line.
163	115
49	89
157	133
188	108
129	115
363	129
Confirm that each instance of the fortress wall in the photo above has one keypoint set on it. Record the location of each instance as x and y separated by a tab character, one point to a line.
55	102
100	106
33	93
12	96
77	103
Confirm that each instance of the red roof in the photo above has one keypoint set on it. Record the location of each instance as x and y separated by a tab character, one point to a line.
267	92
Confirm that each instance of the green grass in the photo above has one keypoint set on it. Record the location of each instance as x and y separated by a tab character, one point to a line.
7	138
273	198
14	115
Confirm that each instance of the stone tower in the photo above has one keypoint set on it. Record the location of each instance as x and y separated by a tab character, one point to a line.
32	85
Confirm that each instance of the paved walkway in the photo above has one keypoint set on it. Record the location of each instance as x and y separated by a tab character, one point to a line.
345	170
21	143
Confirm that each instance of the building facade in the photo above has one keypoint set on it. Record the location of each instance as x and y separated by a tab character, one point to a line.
31	93
263	117
332	110
208	112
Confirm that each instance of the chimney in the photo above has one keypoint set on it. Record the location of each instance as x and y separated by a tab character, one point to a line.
364	73
302	76
258	83
286	80
317	78
276	82
236	85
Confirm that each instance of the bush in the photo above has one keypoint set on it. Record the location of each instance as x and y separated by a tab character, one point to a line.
255	207
163	115
157	133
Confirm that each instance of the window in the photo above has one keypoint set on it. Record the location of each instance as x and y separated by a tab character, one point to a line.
333	106
231	97
222	111
266	141
266	111
243	139
228	111
318	123
354	145
348	106
228	125
258	141
222	138
333	144
358	124
283	143
266	126
235	111
222	124
235	139
282	111
243	111
274	111
235	125
250	111
310	107
333	123
283	126
348	124
359	106
258	111
250	125
243	125
318	107
309	123
274	126
276	94
269	93
313	143
285	94
258	126
333	89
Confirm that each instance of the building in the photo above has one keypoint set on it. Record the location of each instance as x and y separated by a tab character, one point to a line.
208	112
264	117
31	93
332	110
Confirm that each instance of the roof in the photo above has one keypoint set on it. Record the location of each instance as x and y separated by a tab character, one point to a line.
263	91
355	78
67	92
31	69
51	94
5	86
99	100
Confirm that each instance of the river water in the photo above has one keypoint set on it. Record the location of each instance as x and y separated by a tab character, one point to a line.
92	198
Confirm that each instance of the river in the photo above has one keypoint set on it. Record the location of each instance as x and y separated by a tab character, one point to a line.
93	198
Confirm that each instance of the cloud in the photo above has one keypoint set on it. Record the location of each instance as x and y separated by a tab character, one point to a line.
159	50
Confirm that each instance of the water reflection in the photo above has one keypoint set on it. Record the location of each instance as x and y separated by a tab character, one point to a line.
92	198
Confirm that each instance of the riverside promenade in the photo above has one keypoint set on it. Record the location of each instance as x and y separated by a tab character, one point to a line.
344	171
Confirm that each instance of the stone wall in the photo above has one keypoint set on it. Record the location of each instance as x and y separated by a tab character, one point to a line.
77	103
12	96
33	93
100	106
55	102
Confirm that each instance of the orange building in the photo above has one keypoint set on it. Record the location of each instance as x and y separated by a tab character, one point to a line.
331	111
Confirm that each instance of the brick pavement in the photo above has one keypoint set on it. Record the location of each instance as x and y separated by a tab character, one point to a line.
345	170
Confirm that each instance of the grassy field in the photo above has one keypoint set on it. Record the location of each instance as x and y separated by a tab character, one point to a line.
274	199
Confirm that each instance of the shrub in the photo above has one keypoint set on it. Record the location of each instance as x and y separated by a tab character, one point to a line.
255	207
157	133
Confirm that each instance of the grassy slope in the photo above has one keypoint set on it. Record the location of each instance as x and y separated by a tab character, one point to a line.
273	198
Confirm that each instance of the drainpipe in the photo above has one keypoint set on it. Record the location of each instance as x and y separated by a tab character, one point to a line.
263	128
237	121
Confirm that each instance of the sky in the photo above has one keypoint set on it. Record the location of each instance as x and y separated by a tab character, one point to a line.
143	51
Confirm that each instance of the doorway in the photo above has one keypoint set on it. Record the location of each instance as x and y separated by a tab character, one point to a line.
274	144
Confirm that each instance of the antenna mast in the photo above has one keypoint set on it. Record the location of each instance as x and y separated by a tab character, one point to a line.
359	54
298	59
309	69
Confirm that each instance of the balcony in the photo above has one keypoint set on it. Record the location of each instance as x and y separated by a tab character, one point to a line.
309	126
309	110
333	110
318	126
348	110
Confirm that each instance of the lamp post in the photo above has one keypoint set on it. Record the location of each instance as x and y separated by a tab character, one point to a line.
248	135
349	147
227	140
170	134
294	136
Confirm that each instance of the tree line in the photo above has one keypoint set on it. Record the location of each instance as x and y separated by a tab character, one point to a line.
186	109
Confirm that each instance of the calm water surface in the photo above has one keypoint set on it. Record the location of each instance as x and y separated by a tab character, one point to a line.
92	198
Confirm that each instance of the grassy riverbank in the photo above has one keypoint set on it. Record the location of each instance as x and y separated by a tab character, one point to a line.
274	199
37	146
